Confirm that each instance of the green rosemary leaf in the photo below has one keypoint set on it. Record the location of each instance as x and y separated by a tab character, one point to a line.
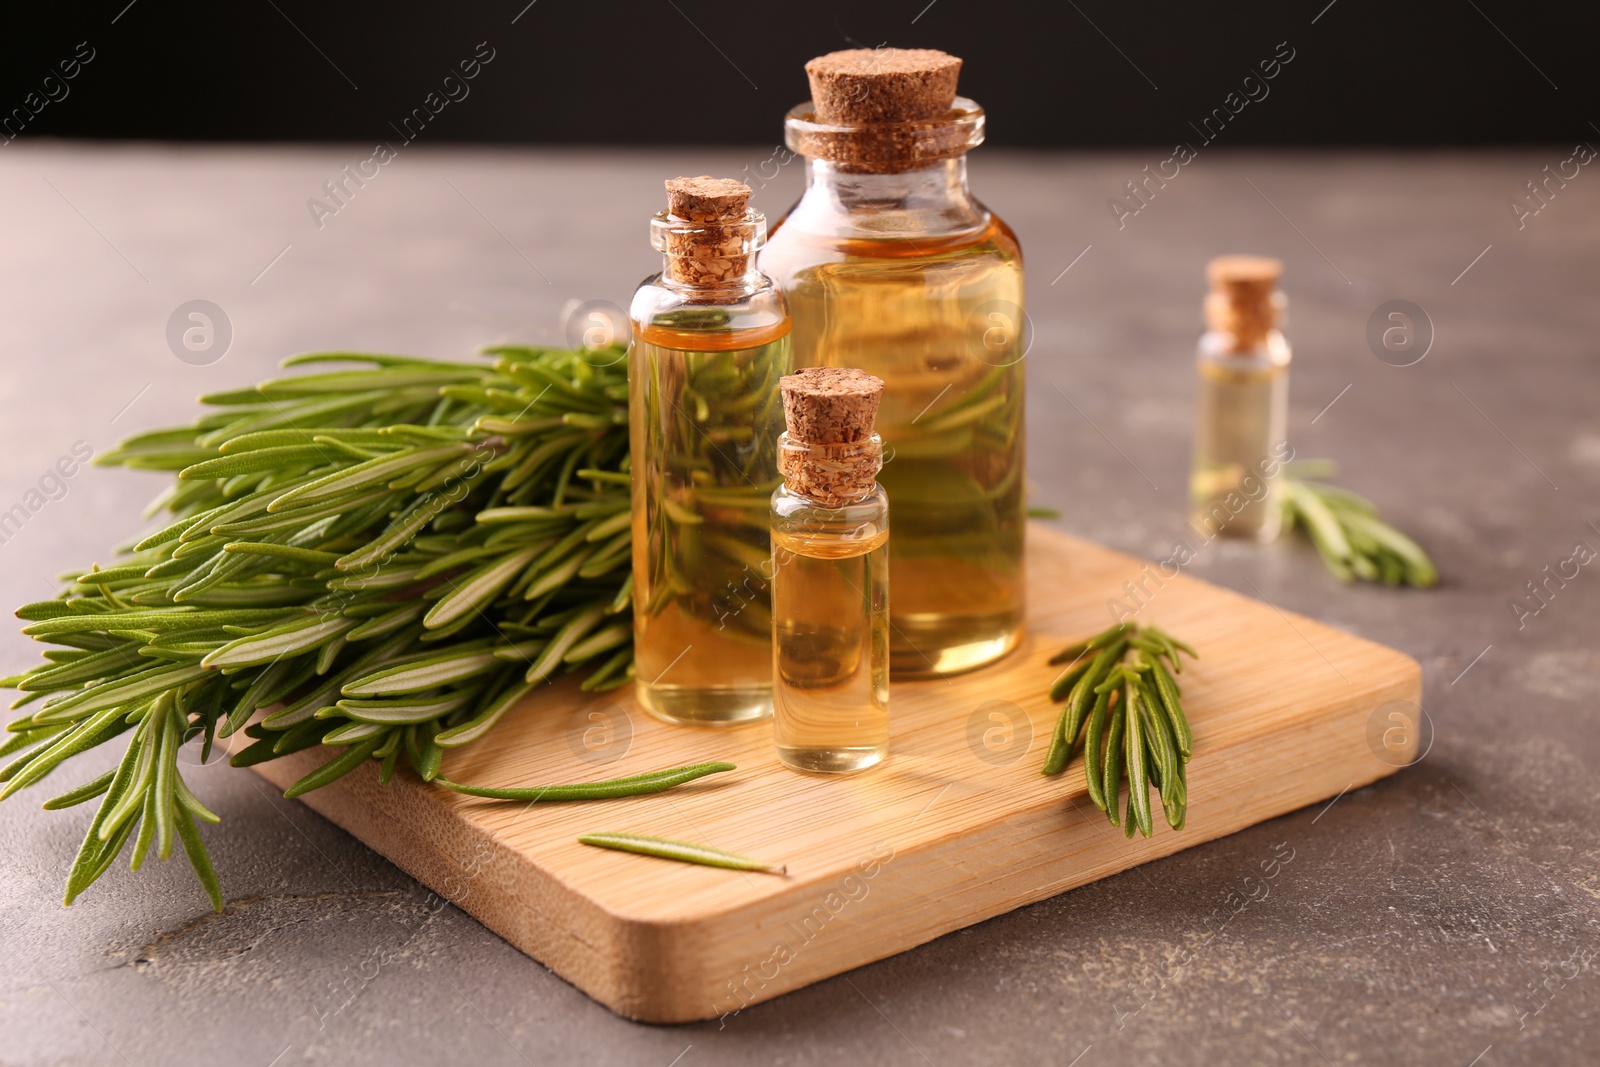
1067	679
1112	779
89	668
635	785
399	711
1138	773
195	849
682	851
360	476
570	634
293	638
393	377
191	803
264	459
144	620
336	768
477	590
360	732
41	761
431	672
87	791
286	552
1167	689
600	641
144	684
1172	646
40	610
164	794
484	721
1093	735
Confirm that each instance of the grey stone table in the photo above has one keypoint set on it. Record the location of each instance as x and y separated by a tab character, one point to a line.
1446	915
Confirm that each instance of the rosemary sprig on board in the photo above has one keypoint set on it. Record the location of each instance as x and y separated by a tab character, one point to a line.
1127	720
385	559
1347	532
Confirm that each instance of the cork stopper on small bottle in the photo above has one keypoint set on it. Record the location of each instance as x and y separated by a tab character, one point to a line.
709	230
830	453
862	85
1244	299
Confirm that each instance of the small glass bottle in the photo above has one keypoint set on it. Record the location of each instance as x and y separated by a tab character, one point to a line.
830	590
890	264
710	341
1242	415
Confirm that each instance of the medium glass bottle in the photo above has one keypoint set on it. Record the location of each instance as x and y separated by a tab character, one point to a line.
1242	414
710	341
890	264
830	589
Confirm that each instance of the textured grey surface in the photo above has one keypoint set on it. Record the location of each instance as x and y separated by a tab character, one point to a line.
1416	917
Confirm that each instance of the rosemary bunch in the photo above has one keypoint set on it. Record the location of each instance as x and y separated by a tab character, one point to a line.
1127	720
389	558
1344	526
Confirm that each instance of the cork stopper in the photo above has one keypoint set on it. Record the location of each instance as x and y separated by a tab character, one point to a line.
709	231
1244	300
884	110
830	453
707	199
862	85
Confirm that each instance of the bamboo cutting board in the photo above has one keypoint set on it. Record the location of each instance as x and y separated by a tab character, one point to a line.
956	826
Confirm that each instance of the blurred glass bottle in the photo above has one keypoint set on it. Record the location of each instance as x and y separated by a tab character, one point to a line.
890	264
710	341
1242	412
830	592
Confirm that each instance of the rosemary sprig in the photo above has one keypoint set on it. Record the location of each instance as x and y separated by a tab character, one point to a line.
386	559
682	851
1129	720
1344	526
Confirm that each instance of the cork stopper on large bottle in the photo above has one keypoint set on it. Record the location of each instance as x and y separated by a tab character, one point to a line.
862	85
830	453
884	110
1244	300
708	230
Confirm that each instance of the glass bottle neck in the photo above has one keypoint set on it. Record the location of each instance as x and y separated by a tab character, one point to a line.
930	200
1229	349
674	269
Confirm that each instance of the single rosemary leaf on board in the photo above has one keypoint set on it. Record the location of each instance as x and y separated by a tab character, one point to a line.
682	851
635	785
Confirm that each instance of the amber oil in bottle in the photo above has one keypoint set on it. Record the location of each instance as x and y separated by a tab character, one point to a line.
890	264
1242	413
830	590
710	341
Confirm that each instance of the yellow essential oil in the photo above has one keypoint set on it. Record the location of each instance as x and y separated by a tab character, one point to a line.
890	264
710	342
1242	408
830	590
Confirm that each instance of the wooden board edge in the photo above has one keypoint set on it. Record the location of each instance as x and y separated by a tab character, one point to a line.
677	972
1049	845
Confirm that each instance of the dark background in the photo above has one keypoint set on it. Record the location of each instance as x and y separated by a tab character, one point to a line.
1366	72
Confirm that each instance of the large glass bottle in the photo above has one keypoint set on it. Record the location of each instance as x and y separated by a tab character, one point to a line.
1242	405
710	341
890	264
